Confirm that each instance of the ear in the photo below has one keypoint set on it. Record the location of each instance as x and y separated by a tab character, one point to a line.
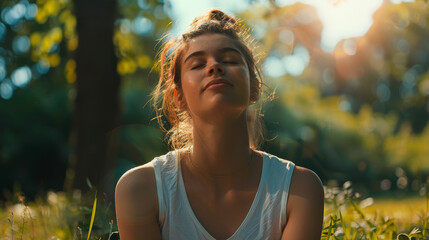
179	99
254	90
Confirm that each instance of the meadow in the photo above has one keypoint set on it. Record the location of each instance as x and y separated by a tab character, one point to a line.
79	216
357	112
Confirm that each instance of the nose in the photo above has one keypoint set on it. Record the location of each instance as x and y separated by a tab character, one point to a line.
216	68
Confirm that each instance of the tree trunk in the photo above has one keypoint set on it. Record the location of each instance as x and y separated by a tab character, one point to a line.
96	110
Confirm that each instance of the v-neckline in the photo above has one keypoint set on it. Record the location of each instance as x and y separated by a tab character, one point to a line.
187	204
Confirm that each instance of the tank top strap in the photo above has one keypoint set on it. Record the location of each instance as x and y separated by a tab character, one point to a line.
278	181
166	168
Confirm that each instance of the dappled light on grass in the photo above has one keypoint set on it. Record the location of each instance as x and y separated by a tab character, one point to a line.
57	216
347	216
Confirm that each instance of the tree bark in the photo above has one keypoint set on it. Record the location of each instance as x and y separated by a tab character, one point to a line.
96	109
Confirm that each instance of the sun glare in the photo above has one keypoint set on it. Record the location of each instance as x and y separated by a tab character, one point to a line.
344	19
341	20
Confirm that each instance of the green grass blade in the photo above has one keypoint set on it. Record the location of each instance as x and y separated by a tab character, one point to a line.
427	210
94	206
346	233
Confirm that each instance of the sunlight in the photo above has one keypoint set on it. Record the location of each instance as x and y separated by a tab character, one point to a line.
344	19
184	11
341	19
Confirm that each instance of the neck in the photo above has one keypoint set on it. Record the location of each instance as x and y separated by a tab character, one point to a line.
221	149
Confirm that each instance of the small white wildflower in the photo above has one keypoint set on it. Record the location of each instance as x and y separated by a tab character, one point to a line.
339	232
52	198
366	202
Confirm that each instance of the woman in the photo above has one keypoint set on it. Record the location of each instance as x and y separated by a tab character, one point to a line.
215	184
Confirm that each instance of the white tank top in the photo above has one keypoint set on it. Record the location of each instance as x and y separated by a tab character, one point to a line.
266	218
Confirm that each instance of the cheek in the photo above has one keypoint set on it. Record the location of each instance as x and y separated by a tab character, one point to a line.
244	76
190	85
188	80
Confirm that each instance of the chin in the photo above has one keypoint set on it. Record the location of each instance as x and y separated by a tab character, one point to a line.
224	111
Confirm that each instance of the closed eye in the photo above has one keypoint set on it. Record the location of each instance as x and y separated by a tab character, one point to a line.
198	66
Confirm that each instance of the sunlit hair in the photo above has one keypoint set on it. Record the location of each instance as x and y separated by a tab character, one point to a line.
179	133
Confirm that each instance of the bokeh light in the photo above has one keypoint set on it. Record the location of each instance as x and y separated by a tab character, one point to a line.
383	92
31	11
305	16
43	66
125	26
143	4
6	89
21	44
385	184
3	70
21	76
259	30
307	133
2	31
159	13
344	19
286	36
274	67
293	64
12	15
142	26
402	182
345	104
350	47
298	61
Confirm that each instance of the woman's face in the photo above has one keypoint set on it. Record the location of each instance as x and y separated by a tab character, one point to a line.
214	77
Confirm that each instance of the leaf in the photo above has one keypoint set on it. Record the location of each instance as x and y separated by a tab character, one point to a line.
89	183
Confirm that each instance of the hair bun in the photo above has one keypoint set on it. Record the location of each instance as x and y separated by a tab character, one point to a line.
220	16
213	21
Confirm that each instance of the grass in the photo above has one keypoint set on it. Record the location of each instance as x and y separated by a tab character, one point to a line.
58	216
73	216
349	217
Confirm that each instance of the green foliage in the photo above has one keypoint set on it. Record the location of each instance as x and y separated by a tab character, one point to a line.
61	216
344	126
347	217
35	132
58	216
353	116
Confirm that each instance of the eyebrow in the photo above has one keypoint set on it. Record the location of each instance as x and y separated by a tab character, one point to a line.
222	50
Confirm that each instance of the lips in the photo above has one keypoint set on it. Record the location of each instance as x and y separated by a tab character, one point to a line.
217	82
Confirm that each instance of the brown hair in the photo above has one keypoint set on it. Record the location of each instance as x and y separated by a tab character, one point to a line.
215	21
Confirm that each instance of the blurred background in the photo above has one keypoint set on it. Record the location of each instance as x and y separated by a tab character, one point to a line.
350	80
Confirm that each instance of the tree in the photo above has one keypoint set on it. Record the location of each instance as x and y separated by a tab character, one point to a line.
96	110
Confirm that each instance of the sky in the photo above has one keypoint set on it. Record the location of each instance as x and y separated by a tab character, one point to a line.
341	19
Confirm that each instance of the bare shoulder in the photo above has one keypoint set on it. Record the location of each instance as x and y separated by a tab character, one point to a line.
306	183
137	177
136	192
136	204
305	206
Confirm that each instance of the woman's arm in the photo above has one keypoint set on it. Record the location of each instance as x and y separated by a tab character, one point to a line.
304	207
137	204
